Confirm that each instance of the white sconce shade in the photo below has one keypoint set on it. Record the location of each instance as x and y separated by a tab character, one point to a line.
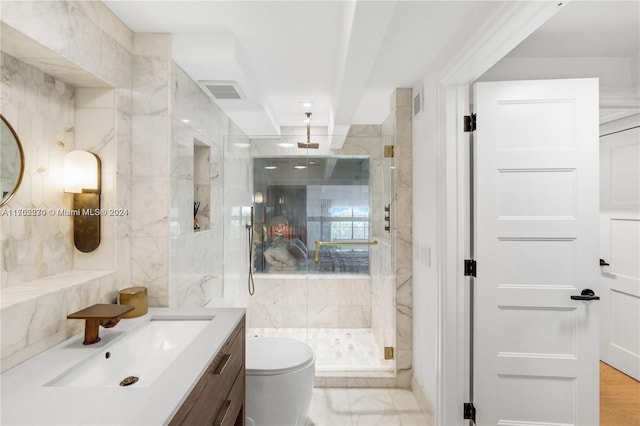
81	172
258	197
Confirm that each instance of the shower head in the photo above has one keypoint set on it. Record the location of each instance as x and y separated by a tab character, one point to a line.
308	144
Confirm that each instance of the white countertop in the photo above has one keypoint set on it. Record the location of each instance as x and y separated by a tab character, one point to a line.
27	401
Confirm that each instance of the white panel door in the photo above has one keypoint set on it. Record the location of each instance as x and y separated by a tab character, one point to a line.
536	233
620	248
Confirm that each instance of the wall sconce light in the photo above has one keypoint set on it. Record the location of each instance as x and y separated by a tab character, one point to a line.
82	178
258	197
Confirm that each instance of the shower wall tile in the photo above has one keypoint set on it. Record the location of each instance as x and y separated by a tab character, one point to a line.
264	315
198	258
323	315
353	316
343	302
295	291
401	128
294	316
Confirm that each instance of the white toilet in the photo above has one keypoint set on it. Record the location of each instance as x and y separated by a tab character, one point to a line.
279	381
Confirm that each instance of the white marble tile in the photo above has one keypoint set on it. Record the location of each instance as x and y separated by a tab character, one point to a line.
372	407
329	407
94	98
151	144
75	43
150	267
408	408
34	104
264	316
151	89
343	350
150	206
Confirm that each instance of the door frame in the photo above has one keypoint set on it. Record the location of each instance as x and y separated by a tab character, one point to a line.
507	27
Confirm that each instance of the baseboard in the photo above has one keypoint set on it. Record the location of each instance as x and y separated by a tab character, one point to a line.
425	403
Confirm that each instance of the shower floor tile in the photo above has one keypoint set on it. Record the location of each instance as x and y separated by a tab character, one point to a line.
336	349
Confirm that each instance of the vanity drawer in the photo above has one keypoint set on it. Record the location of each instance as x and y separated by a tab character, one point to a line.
210	395
225	366
232	411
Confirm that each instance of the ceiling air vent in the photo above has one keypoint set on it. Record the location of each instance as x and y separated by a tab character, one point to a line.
223	90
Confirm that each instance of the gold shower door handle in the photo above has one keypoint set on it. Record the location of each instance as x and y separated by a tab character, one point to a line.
341	243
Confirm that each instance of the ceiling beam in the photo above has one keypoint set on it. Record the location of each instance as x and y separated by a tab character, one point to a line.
363	31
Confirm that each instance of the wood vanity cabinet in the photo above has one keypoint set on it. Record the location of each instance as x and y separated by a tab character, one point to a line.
218	397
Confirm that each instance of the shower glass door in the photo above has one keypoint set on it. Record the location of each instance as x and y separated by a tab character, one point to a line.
321	255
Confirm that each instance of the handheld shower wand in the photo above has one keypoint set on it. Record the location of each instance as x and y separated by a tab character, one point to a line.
250	283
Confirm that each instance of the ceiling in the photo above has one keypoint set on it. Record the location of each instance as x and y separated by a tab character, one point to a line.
346	57
587	29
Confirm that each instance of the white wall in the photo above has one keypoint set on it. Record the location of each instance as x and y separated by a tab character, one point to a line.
425	249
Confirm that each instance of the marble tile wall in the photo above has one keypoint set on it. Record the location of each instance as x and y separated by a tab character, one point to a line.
401	230
371	139
292	301
150	172
95	131
40	280
34	315
198	258
71	49
41	110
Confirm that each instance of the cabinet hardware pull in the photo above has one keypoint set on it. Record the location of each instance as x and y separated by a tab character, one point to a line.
222	414
223	363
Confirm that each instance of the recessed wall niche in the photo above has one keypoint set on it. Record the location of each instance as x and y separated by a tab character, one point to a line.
201	186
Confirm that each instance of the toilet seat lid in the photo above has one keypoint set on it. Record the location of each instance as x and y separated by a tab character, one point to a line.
276	355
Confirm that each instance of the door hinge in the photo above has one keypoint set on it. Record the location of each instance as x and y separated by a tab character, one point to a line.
470	123
470	268
469	412
389	151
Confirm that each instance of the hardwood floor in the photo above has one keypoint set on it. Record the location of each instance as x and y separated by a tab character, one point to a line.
619	398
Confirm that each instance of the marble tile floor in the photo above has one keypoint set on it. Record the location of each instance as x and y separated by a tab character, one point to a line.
365	407
336	349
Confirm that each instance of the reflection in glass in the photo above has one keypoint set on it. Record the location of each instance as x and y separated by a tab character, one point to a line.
326	201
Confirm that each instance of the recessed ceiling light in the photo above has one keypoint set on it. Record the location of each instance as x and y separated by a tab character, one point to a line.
306	104
286	145
313	163
242	145
185	120
270	167
299	167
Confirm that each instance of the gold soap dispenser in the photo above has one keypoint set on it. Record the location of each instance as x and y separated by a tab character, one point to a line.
136	297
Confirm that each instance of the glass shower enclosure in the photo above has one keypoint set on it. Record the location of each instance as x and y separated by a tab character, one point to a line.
322	255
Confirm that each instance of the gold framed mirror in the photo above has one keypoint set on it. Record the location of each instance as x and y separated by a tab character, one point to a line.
11	161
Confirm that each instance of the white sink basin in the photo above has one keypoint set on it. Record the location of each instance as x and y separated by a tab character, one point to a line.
143	353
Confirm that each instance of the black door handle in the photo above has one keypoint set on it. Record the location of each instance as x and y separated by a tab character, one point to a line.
603	262
586	294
